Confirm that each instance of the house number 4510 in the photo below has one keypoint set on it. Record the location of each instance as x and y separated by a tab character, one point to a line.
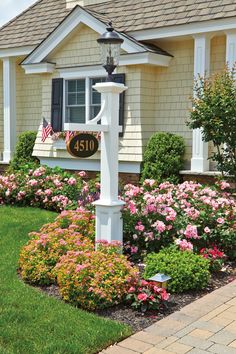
82	145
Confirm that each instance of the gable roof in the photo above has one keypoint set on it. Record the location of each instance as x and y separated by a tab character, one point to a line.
36	23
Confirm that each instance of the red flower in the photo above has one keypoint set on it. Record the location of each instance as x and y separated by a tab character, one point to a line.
142	297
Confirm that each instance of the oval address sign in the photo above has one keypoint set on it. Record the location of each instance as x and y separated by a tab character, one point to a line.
82	145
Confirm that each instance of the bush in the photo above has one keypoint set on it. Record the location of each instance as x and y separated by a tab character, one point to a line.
163	157
70	231
24	151
146	296
47	188
155	215
188	271
94	280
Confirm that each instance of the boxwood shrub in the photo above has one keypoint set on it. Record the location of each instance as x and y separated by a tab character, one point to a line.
188	271
163	158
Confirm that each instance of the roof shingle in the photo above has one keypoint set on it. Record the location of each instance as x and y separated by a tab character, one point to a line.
36	23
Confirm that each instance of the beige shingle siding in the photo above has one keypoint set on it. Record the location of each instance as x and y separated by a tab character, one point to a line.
29	101
80	49
157	99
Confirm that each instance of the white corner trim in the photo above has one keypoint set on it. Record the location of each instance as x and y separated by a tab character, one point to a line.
185	30
41	68
87	165
77	16
145	58
15	52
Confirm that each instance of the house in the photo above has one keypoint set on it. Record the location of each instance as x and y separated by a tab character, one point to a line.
50	58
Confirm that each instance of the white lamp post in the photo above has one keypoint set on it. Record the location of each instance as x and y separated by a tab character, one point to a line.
109	225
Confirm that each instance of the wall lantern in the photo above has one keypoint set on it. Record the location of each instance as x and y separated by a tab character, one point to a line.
110	44
160	279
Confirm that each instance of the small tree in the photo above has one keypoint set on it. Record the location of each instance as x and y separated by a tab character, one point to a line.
214	111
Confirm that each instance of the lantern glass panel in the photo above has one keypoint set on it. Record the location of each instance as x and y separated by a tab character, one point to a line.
110	53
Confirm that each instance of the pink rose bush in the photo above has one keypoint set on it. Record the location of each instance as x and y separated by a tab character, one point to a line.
156	215
146	295
47	188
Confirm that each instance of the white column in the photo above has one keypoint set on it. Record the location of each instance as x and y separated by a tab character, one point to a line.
231	48
9	107
109	224
202	43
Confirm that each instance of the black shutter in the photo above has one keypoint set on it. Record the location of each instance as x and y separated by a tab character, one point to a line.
120	79
57	105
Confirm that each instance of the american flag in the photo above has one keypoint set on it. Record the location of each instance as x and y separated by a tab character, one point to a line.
46	130
69	134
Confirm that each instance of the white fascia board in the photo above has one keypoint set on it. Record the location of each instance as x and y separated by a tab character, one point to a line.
41	68
16	52
81	72
76	164
185	30
145	58
67	26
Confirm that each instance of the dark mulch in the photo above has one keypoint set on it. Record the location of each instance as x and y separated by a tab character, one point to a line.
139	321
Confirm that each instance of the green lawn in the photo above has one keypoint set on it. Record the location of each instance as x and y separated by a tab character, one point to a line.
30	321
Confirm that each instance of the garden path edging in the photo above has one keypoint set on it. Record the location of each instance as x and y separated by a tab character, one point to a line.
208	325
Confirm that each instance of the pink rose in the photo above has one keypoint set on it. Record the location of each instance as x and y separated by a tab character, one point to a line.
220	221
142	297
82	174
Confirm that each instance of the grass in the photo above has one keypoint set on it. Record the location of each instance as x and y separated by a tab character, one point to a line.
32	322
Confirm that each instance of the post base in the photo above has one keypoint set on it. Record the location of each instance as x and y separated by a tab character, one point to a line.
109	223
199	164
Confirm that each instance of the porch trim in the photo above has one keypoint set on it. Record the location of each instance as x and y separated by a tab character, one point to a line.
9	107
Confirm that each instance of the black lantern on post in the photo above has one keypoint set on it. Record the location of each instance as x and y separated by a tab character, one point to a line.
110	50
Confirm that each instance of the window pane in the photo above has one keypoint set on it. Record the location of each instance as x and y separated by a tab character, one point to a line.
96	97
94	110
71	99
71	86
76	114
81	98
80	85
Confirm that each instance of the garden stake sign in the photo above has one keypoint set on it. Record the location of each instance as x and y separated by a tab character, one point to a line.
109	224
82	145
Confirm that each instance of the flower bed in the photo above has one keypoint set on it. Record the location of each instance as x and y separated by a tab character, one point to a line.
47	188
156	215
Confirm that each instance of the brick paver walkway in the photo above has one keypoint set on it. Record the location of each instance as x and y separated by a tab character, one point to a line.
207	325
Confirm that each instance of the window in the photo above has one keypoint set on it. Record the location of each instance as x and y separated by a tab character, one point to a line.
82	101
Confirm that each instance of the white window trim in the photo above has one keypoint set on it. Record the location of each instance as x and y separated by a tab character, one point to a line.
77	74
